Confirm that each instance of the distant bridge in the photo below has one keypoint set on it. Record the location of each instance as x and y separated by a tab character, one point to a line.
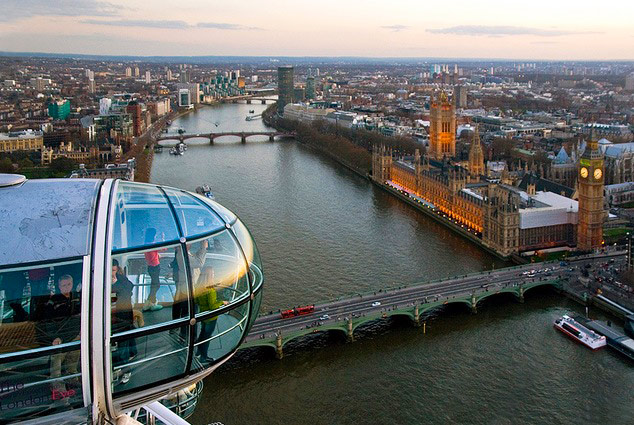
345	315
247	99
243	135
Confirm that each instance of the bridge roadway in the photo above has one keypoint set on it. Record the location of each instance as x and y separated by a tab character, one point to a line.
413	301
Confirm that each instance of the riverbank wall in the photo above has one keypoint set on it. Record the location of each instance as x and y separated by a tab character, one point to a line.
143	150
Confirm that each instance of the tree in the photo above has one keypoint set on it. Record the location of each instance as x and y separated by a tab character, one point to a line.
6	166
25	163
63	165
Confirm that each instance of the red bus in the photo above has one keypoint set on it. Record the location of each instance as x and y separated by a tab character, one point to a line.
297	311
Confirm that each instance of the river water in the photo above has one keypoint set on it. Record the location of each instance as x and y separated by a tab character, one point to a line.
325	232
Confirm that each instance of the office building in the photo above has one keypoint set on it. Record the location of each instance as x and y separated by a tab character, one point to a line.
59	110
183	98
104	105
128	72
285	76
148	77
460	96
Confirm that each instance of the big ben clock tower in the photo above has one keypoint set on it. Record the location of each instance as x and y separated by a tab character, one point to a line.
591	214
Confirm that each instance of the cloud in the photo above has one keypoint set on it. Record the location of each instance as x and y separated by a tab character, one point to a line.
223	26
395	28
501	31
139	23
13	10
179	25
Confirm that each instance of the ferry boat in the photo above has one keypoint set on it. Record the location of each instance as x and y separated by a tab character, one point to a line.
580	333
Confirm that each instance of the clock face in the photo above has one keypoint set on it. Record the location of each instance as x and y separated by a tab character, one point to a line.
583	172
597	174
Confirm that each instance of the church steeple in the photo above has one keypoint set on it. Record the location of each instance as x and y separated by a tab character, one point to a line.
476	156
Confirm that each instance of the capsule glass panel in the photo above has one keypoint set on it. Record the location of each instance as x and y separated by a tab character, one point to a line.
139	361
195	217
40	324
217	336
251	251
224	213
137	209
149	287
220	274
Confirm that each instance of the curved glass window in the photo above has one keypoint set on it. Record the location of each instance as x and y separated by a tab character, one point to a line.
195	218
40	324
145	295
222	274
149	287
217	336
255	309
139	208
138	361
251	251
226	215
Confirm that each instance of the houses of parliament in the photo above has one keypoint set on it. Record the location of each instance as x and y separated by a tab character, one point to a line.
502	217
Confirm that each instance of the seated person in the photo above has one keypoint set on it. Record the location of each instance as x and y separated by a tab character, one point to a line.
62	325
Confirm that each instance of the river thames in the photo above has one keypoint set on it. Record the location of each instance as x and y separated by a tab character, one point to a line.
325	232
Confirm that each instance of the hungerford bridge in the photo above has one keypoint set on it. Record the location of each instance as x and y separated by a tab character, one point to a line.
243	135
347	314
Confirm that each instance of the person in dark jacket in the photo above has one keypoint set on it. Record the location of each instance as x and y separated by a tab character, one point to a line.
122	318
63	325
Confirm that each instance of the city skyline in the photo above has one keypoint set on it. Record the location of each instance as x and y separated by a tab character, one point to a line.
544	31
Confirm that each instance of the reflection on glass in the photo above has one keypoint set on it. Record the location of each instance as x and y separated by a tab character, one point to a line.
251	251
139	207
226	215
151	280
39	386
225	261
40	309
195	217
143	360
217	336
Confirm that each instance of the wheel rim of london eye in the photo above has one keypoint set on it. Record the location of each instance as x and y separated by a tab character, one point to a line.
116	294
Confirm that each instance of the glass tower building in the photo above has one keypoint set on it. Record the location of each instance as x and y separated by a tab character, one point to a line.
115	294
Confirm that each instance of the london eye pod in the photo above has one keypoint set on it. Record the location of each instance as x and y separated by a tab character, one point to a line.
115	294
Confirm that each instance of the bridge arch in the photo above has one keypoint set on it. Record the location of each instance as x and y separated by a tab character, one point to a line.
540	284
312	331
513	291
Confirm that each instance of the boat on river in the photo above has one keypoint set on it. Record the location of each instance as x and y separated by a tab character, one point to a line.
205	190
580	333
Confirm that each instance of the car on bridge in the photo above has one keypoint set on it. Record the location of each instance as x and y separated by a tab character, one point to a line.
376	304
324	317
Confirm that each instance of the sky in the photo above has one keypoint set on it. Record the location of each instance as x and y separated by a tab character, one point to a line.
537	29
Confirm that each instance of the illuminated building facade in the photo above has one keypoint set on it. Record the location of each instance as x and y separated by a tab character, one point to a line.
591	182
442	130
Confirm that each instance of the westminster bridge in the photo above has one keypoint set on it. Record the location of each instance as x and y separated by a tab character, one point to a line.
243	135
345	315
